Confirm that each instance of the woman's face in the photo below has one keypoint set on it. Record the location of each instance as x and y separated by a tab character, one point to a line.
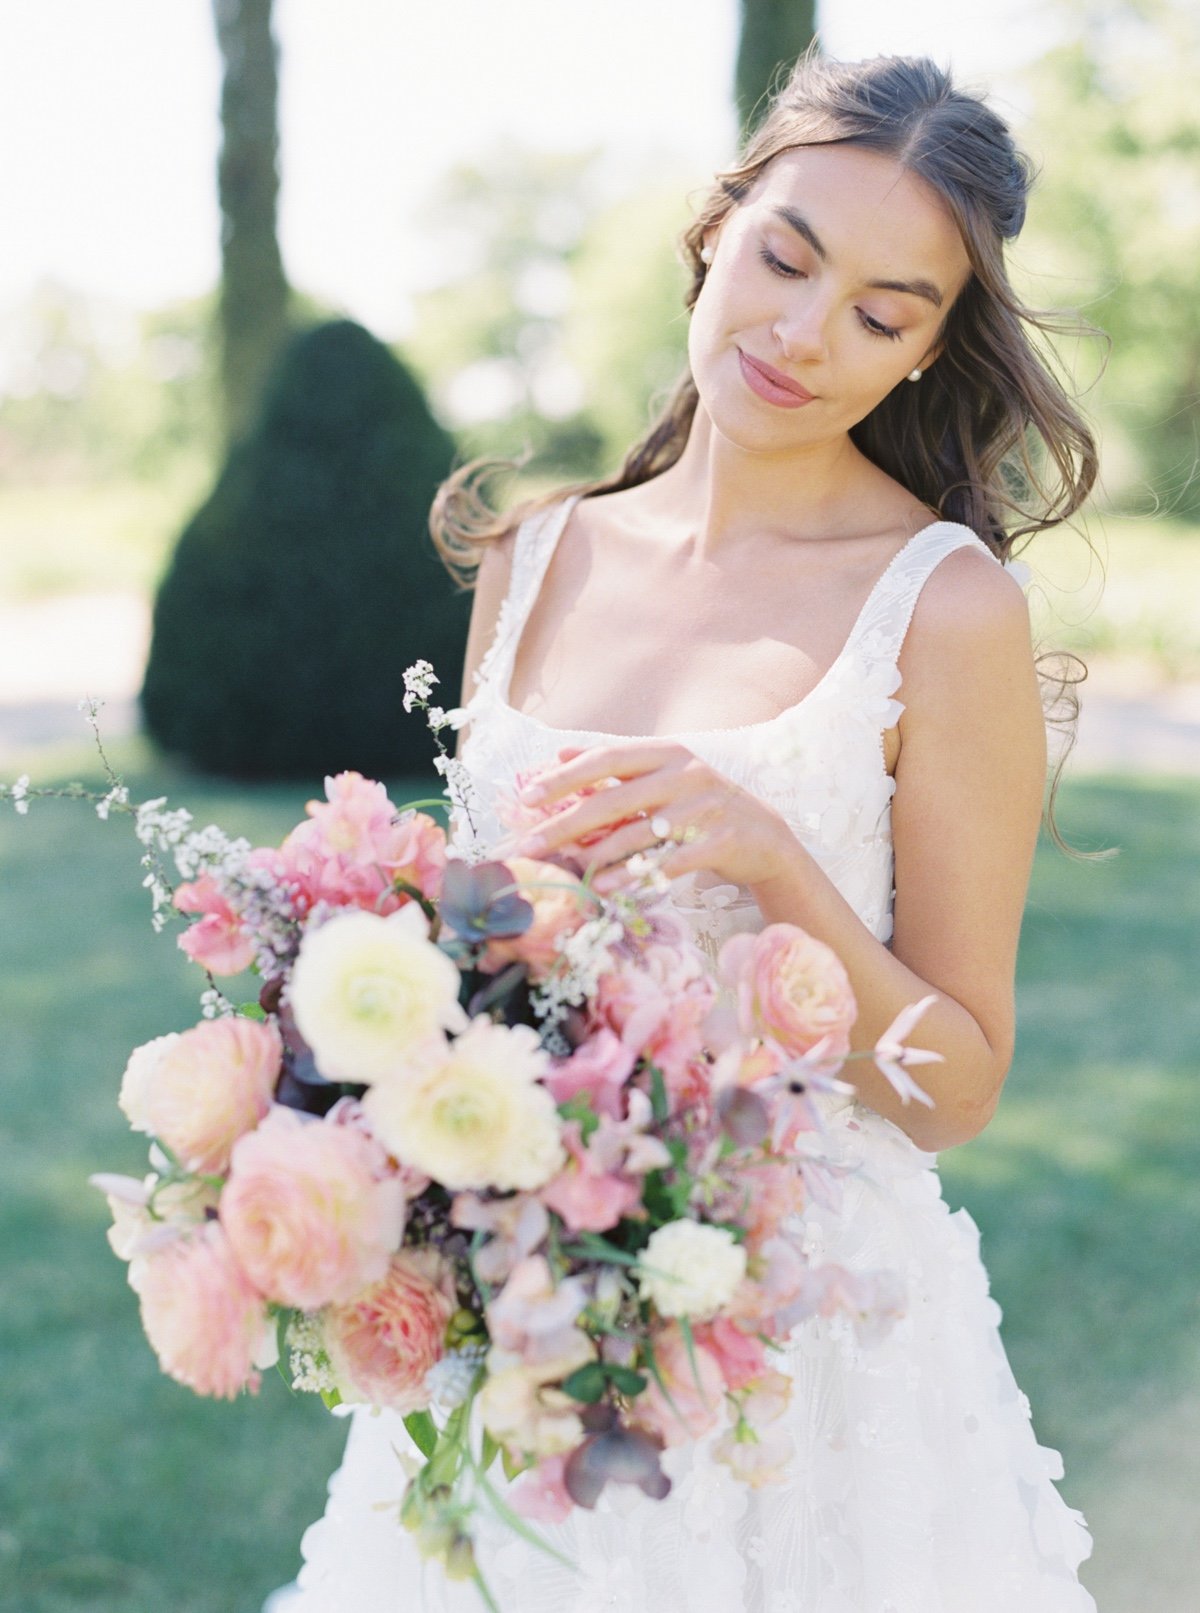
838	270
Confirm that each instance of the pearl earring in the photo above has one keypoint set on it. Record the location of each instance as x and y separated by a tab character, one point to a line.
914	375
706	253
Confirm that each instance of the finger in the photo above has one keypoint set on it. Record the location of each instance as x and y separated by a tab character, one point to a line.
634	799
599	762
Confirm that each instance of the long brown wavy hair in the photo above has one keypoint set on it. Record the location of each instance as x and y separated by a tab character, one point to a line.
991	438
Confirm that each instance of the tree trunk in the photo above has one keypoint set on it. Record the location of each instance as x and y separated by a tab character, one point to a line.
773	34
254	289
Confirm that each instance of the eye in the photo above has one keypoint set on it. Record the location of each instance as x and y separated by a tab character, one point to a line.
876	329
778	267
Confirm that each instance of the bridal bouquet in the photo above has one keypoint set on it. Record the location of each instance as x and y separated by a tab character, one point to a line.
488	1149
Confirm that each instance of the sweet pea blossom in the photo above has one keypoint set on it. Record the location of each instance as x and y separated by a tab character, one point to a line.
217	942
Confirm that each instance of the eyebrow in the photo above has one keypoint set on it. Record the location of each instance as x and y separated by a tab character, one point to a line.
914	288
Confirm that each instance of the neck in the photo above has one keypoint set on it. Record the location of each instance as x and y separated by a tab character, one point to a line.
724	493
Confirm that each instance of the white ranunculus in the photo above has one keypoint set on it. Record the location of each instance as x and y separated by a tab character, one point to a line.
481	1117
138	1080
690	1269
371	995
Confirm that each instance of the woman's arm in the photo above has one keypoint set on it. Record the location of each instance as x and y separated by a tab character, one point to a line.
491	586
965	816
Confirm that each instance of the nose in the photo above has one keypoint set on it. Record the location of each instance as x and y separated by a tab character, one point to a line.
800	329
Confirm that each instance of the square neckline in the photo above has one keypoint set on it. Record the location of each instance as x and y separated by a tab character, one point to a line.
503	684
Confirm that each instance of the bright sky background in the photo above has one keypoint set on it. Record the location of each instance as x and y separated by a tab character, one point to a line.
108	117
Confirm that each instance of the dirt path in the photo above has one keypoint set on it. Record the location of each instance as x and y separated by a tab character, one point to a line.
53	652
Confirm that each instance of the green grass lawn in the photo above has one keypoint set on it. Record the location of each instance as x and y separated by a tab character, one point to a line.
121	1492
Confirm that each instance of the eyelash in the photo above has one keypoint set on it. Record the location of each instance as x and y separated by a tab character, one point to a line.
779	268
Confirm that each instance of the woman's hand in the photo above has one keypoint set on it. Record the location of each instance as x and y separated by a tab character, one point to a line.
673	796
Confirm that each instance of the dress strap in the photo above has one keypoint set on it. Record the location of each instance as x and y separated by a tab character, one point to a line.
533	544
880	629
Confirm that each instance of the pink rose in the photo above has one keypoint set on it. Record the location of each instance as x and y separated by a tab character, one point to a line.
558	911
697	1407
741	1357
790	987
311	1209
204	1088
599	1067
588	1195
514	814
217	942
354	846
206	1322
386	1339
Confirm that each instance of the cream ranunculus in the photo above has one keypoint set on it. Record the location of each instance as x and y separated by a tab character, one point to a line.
691	1269
373	995
481	1117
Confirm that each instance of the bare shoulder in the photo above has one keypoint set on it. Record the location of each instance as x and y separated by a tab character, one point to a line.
971	617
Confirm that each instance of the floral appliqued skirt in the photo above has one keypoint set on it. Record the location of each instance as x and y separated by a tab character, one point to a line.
917	1483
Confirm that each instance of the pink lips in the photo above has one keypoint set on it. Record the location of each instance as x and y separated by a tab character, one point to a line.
771	385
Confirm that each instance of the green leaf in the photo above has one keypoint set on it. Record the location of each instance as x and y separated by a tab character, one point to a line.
490	1447
685	1327
252	1010
331	1397
652	1363
626	1380
577	1107
587	1382
423	1430
658	1094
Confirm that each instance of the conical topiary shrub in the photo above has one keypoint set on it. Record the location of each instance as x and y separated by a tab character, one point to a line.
303	587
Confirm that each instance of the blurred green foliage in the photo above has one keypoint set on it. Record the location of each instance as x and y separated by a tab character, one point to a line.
561	311
1114	229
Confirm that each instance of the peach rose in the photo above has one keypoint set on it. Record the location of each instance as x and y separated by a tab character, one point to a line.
557	912
741	1356
386	1339
207	1324
790	988
697	1406
198	1091
599	1067
217	942
311	1210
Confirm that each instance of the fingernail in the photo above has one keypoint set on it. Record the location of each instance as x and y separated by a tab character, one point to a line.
531	846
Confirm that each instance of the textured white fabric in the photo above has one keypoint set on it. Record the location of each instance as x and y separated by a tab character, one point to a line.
917	1485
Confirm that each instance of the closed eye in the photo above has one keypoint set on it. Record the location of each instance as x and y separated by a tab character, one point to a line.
777	266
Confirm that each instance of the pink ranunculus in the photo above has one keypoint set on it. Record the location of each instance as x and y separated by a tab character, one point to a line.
558	911
354	845
541	1494
657	1003
790	987
208	1087
217	942
311	1209
587	1195
599	1067
384	1341
206	1322
741	1357
698	1406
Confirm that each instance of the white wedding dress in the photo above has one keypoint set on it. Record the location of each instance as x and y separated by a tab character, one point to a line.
917	1485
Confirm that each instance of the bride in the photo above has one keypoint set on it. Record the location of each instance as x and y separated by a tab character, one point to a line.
818	524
